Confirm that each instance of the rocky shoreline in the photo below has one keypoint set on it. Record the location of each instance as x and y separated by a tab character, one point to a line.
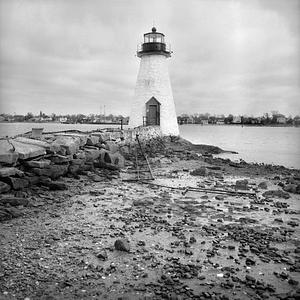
72	227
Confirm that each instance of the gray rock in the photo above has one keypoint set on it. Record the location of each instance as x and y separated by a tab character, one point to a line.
112	147
92	154
7	154
241	184
202	171
34	142
14	201
26	151
54	171
70	143
291	188
6	172
4	187
38	163
60	159
102	255
56	186
122	245
17	183
263	185
92	140
276	193
142	202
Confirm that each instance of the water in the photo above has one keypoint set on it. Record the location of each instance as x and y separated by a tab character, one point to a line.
272	145
12	129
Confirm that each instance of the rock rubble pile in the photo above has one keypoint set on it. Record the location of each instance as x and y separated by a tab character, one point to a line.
25	161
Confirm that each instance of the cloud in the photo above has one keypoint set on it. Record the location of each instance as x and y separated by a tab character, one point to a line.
76	56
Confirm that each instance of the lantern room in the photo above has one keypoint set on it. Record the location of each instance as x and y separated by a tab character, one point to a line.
154	37
154	43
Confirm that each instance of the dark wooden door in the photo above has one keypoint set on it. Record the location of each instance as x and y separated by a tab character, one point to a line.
153	115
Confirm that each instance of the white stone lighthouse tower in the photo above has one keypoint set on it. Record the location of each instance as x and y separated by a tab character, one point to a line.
153	103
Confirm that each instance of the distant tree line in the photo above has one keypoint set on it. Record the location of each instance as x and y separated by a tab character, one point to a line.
273	118
69	118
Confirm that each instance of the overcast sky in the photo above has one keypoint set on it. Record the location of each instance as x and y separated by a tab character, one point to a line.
72	56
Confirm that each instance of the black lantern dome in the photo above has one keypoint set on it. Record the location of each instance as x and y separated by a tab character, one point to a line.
154	43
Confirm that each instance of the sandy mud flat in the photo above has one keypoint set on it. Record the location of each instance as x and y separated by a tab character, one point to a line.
173	242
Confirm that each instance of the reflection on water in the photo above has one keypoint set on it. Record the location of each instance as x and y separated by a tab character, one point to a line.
272	145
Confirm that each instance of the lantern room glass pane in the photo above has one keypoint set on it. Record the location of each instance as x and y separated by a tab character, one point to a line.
154	38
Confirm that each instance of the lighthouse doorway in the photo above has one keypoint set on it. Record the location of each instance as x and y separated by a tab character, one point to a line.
152	112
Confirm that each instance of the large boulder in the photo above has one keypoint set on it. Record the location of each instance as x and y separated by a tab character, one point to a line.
291	188
112	147
263	185
4	187
103	136
202	171
14	201
53	171
105	156
69	143
92	154
16	183
93	140
6	172
7	154
26	151
241	184
122	245
34	142
276	194
60	159
74	169
45	163
118	160
82	138
55	185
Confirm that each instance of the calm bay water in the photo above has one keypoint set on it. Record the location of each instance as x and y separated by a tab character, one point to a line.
272	145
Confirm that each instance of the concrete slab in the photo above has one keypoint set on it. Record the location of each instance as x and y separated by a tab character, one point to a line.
34	142
69	143
81	137
7	155
26	151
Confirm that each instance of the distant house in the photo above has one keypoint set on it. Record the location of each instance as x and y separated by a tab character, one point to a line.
296	121
281	119
185	119
63	119
2	118
220	121
237	120
204	121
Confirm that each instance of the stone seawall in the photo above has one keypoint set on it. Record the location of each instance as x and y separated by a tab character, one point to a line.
26	161
29	160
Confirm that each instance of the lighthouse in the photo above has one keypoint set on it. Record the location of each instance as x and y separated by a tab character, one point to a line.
153	103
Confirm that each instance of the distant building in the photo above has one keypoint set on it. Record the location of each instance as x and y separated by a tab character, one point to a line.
237	120
204	121
281	119
63	119
220	121
296	121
